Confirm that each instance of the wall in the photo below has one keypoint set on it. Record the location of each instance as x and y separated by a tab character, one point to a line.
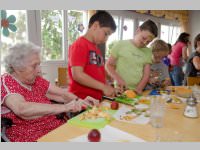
50	70
194	24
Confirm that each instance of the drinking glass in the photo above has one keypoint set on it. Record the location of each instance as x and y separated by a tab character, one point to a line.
196	92
157	114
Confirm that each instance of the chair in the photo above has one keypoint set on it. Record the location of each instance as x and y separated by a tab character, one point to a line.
5	123
193	80
62	77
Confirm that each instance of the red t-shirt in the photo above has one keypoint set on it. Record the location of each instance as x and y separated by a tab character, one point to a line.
87	55
27	130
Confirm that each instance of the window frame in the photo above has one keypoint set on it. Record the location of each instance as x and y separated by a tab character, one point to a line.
34	28
35	35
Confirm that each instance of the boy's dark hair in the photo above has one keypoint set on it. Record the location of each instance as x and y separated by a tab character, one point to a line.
104	19
197	38
170	47
150	26
183	37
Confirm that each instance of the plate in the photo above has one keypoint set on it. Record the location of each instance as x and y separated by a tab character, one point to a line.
141	106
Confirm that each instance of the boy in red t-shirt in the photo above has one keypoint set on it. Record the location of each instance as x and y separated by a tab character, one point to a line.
86	65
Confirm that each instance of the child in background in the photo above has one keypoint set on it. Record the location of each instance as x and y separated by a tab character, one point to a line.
159	76
129	61
193	64
86	65
170	67
166	61
178	57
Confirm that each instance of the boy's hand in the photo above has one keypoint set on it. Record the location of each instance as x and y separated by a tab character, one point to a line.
138	91
108	90
166	82
74	106
153	80
120	90
121	85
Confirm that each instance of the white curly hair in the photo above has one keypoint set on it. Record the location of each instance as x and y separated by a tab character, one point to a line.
18	55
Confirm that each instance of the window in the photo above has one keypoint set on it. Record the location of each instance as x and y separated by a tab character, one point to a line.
127	22
176	31
51	31
113	37
140	23
56	30
169	33
77	25
128	29
19	36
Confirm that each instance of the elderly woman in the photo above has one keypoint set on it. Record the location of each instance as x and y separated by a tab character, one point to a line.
25	96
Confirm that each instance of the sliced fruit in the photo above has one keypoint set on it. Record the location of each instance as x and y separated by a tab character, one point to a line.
174	106
130	94
144	101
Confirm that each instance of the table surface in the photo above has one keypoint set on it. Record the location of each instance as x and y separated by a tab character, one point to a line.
176	127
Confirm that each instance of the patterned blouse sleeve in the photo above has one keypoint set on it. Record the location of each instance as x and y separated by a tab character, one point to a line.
3	91
8	87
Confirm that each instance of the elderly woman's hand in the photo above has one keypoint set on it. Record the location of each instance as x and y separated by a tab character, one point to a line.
79	104
68	96
92	101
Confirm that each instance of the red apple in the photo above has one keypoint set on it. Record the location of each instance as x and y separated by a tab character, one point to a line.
114	105
94	135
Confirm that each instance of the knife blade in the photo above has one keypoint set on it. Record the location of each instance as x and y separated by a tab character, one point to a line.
123	101
108	98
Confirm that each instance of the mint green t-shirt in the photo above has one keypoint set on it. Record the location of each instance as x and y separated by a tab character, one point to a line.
130	61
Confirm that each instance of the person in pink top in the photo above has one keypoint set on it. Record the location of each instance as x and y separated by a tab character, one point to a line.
25	96
177	58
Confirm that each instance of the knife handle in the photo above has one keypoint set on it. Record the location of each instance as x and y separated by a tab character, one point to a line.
108	98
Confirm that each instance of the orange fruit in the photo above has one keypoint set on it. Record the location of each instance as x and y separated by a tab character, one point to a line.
130	94
183	92
144	101
173	106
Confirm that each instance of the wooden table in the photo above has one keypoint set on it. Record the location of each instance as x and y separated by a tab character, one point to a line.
176	128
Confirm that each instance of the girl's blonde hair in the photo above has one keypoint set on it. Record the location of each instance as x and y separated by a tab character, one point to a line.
159	45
